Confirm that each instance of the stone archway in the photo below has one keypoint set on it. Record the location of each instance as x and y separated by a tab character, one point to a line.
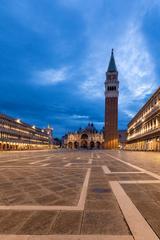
92	145
98	145
70	145
76	144
84	144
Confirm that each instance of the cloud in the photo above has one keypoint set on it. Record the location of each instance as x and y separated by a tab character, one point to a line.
137	74
99	124
137	70
94	67
51	76
79	117
129	113
85	31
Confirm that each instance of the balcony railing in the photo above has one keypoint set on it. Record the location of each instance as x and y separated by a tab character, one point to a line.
140	135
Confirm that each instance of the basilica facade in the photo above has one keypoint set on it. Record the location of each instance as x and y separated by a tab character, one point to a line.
86	138
90	138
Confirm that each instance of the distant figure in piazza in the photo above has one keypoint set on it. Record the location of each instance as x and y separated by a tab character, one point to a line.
87	138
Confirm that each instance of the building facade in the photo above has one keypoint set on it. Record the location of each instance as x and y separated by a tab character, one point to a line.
87	138
17	135
90	138
111	106
144	128
122	139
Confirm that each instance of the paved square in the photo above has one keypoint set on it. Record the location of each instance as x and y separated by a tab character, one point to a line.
102	195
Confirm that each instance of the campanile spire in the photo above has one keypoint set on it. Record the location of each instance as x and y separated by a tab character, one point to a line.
112	65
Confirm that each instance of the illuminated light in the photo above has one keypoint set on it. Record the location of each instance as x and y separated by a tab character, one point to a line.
18	120
33	126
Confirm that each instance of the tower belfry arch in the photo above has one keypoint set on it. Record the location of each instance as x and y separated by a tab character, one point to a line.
111	105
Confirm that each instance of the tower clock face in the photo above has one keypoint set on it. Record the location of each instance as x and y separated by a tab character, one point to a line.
112	77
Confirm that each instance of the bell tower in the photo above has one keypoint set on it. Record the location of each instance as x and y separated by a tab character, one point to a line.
111	105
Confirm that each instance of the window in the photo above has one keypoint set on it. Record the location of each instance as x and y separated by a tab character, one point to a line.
111	88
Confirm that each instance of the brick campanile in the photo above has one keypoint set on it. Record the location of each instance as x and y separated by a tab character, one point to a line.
111	105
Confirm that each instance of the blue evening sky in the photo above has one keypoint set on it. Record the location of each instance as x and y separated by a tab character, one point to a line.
54	54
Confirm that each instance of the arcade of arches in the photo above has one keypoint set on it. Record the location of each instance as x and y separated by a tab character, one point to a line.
88	138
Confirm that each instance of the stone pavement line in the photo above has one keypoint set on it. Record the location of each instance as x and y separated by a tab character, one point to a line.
79	207
13	160
106	169
125	173
90	161
68	165
137	224
37	167
83	196
65	237
44	160
45	164
139	181
138	168
18	159
22	158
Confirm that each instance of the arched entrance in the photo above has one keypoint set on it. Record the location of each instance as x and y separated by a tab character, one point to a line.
70	145
98	145
76	144
84	144
92	145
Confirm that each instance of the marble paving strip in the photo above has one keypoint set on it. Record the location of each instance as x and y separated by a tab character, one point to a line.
136	167
68	165
65	237
125	173
13	160
24	151
45	164
90	161
139	227
139	181
37	166
106	169
16	159
79	207
44	160
83	196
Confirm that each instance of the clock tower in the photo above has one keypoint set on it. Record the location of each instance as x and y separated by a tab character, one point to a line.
111	105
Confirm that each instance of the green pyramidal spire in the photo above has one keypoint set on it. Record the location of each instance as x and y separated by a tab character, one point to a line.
112	65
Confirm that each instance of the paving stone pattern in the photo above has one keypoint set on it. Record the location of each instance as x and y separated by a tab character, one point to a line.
25	181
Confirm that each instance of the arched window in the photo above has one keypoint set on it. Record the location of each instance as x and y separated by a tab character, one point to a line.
84	136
